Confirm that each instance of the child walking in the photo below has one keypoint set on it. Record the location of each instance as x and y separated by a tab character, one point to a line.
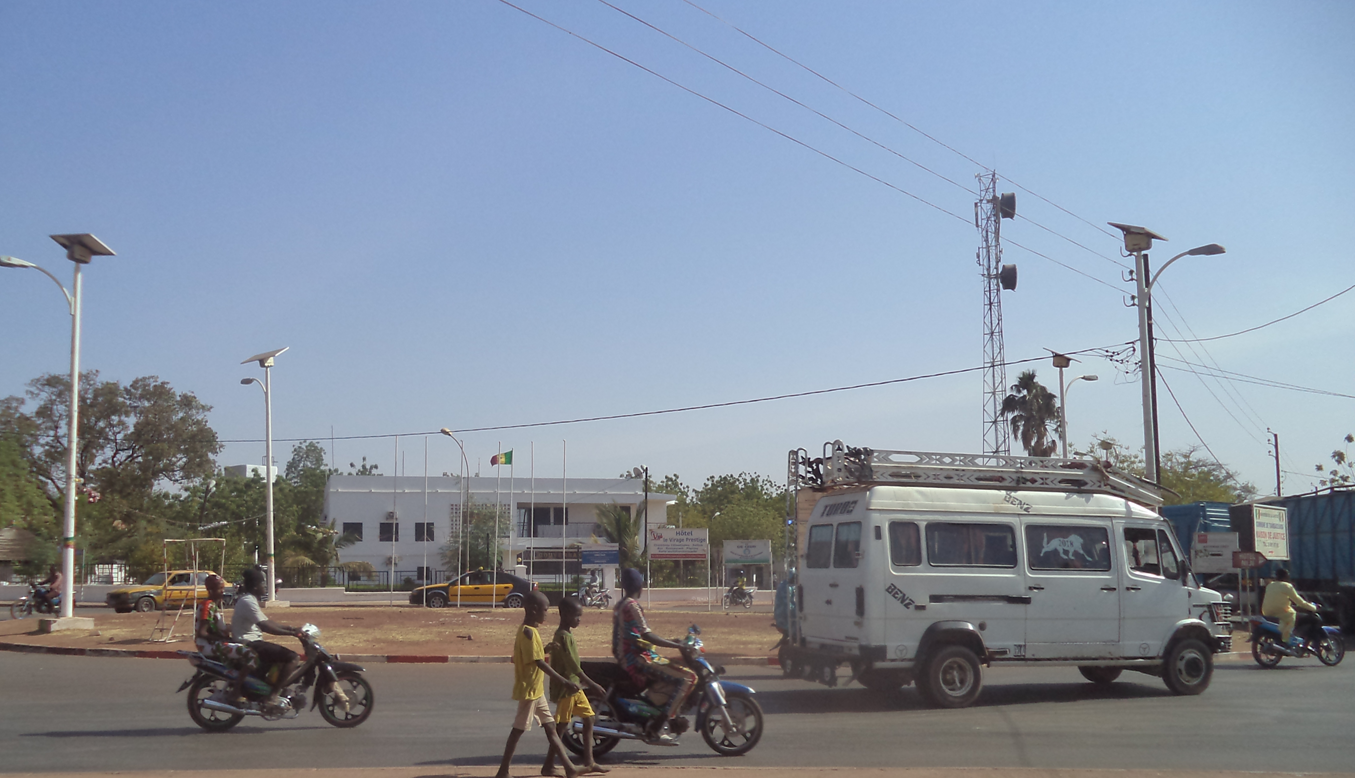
529	667
565	661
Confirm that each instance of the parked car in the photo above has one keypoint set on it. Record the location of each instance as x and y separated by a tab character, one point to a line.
478	587
162	590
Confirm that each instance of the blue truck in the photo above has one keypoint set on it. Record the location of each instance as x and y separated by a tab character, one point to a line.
1320	528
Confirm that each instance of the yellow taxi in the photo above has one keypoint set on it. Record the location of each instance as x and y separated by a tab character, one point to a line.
162	590
478	587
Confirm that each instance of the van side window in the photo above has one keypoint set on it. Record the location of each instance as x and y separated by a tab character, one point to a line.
1141	551
819	549
847	543
1056	547
971	545
905	550
1167	557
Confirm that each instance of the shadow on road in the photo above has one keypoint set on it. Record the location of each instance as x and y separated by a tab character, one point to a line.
851	700
158	732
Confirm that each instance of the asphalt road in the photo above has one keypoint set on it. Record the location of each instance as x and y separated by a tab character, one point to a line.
79	714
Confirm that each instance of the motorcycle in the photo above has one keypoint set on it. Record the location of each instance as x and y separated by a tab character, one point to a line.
727	715
29	604
737	596
592	597
1267	648
342	694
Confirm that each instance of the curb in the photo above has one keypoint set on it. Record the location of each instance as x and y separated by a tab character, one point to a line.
393	659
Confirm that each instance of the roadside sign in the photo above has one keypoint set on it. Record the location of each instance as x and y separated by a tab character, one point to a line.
1269	532
1248	560
600	555
674	543
1212	553
748	552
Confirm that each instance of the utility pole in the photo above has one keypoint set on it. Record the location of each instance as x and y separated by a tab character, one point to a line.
990	210
1276	450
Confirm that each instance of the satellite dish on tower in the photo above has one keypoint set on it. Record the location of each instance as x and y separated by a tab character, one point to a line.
1007	205
1007	277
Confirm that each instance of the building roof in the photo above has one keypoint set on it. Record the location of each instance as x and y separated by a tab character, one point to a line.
577	490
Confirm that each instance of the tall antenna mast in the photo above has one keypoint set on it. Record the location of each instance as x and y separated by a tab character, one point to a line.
990	210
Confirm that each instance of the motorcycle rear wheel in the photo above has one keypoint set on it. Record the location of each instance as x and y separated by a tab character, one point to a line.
208	719
1330	650
1260	655
601	744
743	710
360	700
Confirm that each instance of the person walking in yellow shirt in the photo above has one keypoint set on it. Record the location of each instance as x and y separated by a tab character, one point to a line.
529	669
1280	602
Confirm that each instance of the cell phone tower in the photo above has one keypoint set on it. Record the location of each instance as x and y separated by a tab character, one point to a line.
990	210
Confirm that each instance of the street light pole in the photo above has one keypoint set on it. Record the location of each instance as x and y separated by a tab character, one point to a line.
1138	241
80	249
1064	412
265	361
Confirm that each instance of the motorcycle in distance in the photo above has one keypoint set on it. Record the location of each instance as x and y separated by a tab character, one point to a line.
1267	648
727	715
342	694
591	596
737	596
29	604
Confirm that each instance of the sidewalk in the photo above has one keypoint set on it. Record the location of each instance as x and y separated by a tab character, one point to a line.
529	771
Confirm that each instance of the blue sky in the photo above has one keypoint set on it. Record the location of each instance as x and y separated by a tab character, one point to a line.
457	215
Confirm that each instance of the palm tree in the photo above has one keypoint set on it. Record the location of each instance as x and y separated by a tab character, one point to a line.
623	529
1033	414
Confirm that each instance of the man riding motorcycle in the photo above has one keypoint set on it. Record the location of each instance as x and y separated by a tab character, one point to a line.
630	634
248	625
740	583
1280	602
49	589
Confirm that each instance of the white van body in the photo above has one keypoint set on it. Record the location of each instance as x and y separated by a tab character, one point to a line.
892	577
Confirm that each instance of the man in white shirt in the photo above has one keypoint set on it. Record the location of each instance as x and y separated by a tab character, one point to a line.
248	625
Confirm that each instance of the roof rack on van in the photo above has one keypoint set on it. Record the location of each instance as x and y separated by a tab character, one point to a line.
844	465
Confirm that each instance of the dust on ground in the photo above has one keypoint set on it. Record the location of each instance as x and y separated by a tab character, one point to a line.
412	630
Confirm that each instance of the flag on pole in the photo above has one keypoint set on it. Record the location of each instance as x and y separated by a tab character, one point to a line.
505	458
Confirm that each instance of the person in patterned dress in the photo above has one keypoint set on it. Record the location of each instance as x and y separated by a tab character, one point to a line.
213	637
632	643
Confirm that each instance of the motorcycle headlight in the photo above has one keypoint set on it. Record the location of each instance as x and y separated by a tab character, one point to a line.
311	631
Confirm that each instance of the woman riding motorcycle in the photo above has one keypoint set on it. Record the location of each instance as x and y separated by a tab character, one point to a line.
630	636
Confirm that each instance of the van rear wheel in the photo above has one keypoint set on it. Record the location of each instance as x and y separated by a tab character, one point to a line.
1188	667
882	681
953	678
1102	676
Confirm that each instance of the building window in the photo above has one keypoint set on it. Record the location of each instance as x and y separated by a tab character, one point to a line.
423	532
355	529
423	573
388	532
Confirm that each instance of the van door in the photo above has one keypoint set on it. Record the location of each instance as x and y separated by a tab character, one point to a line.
1075	602
973	576
1153	598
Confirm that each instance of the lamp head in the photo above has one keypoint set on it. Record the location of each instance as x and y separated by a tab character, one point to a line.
1207	250
82	247
248	381
15	262
1137	239
446	431
1088	377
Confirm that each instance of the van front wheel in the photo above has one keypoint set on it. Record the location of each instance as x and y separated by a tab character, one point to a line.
953	677
1188	667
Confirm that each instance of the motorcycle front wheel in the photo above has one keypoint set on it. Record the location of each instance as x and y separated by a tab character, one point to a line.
574	740
20	610
1330	650
1260	654
748	601
746	719
359	707
208	719
725	602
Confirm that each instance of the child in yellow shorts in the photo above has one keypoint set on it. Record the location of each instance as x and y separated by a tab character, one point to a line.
565	661
529	668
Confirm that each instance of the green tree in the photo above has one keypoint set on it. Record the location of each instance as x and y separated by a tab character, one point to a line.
623	528
364	468
1340	473
1034	415
1189	476
473	547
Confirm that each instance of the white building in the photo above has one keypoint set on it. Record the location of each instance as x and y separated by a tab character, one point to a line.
402	521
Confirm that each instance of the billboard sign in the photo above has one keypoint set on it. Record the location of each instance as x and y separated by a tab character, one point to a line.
1269	532
675	543
599	555
1213	552
748	552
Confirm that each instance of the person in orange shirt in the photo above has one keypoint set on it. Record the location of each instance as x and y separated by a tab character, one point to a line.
1280	602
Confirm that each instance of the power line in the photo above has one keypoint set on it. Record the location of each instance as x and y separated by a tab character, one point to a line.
1268	324
1229	375
1223	469
665	411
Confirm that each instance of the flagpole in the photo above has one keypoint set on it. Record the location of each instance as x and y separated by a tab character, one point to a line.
426	576
532	509
513	515
564	511
498	506
395	520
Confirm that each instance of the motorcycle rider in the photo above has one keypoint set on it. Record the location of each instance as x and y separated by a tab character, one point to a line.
738	592
629	635
1277	604
248	625
49	589
213	639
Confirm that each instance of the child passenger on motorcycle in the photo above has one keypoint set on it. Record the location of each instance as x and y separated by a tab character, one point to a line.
630	634
213	638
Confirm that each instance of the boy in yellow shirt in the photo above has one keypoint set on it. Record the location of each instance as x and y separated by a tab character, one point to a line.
565	660
529	669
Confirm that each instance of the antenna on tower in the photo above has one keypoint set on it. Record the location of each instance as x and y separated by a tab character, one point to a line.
990	210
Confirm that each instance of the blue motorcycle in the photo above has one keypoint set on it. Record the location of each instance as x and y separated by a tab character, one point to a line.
727	715
1267	648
